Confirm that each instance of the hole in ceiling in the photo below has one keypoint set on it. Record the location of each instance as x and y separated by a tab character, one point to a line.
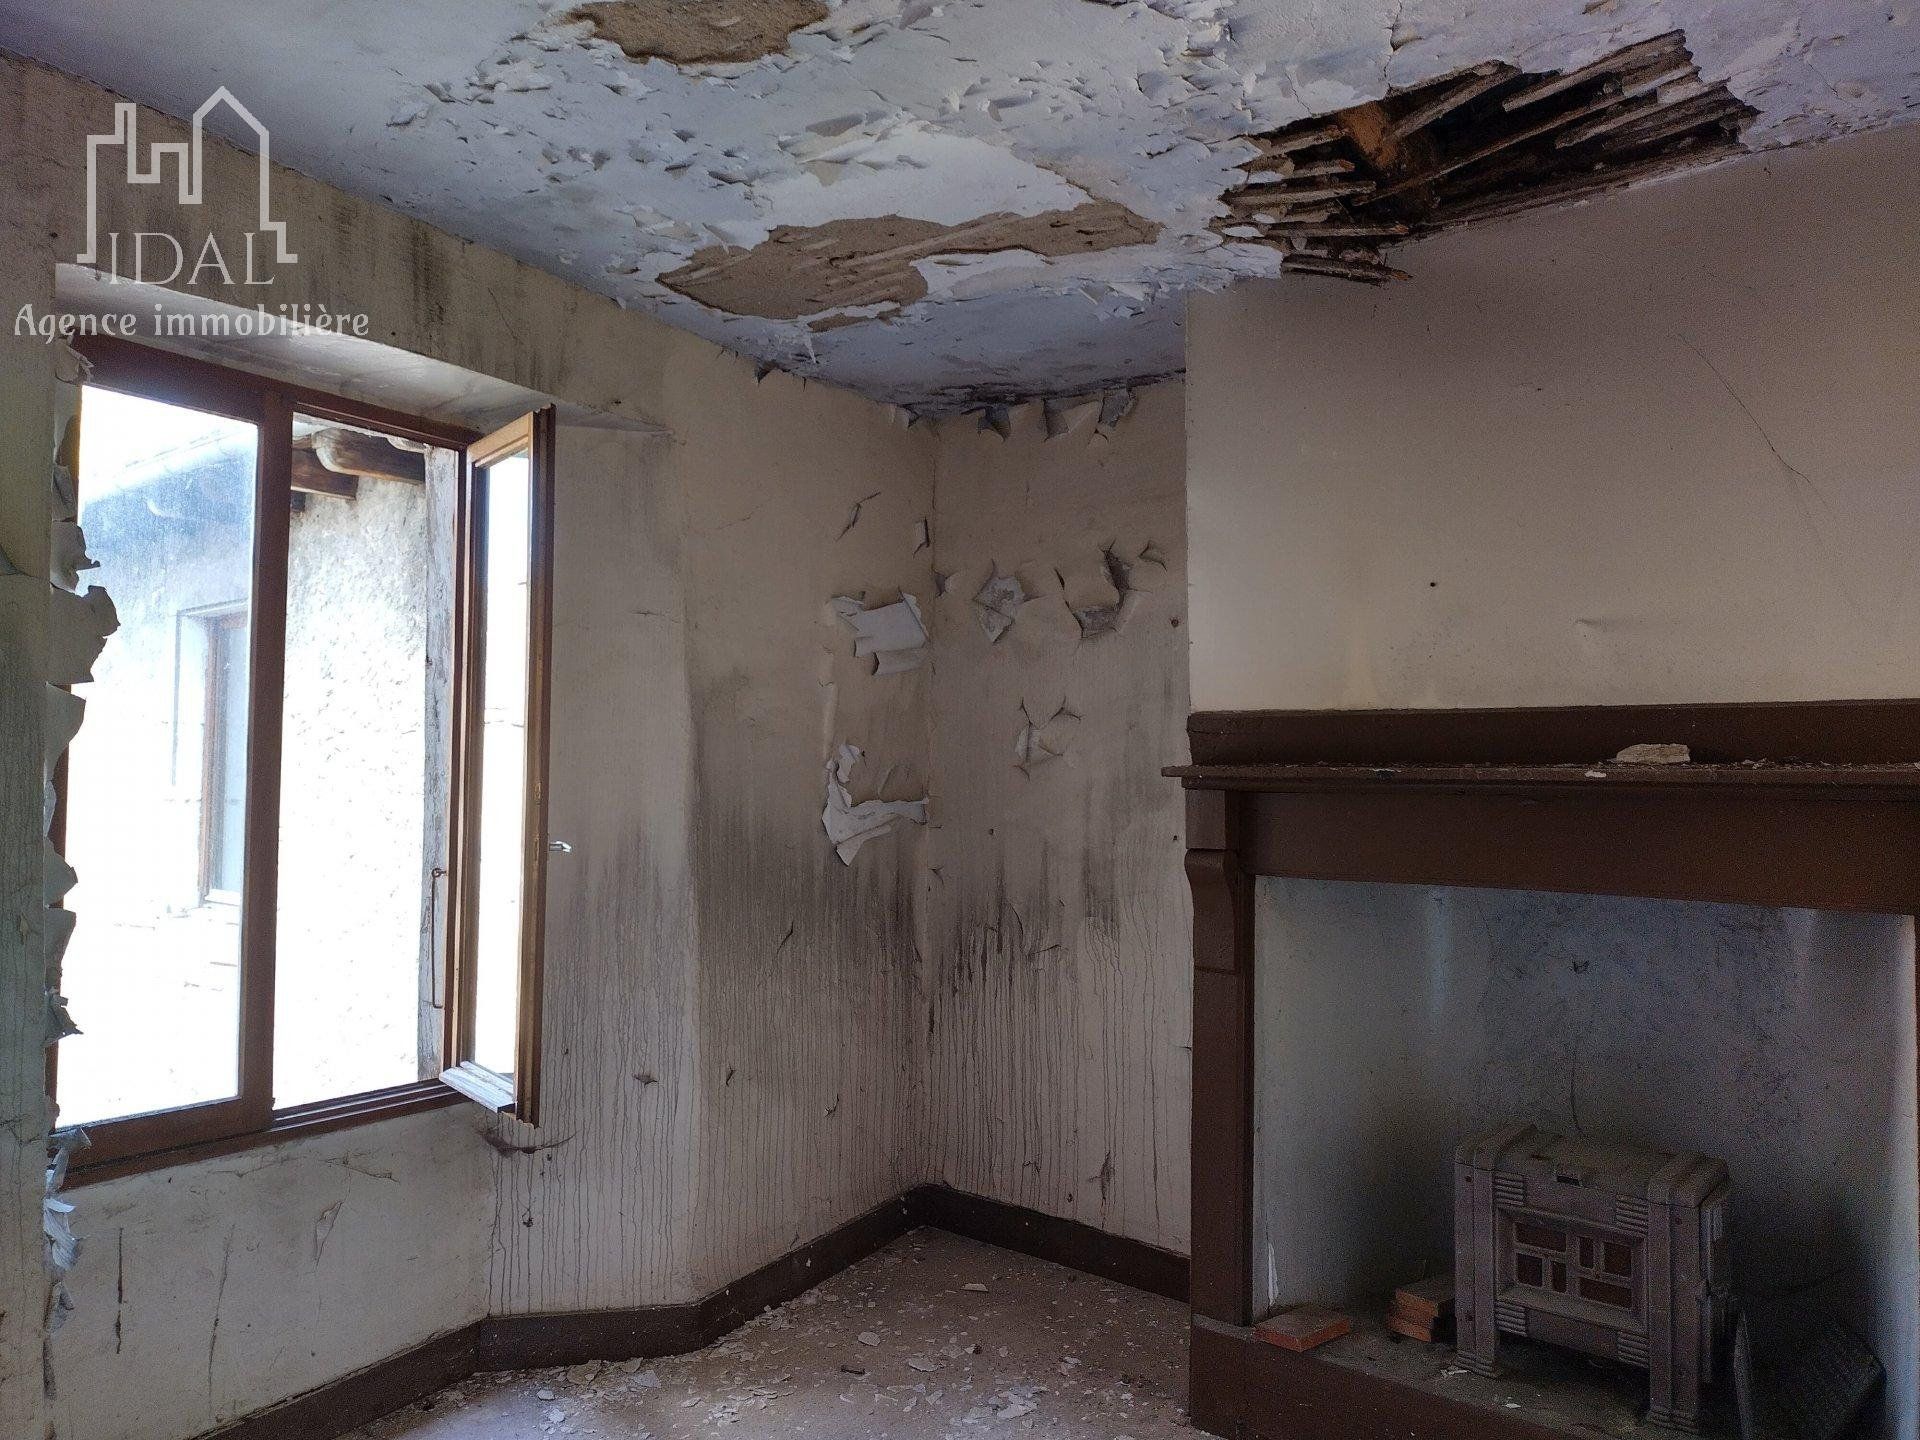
717	32
1331	191
801	270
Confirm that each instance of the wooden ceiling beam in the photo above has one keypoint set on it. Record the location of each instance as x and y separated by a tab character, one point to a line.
350	452
310	477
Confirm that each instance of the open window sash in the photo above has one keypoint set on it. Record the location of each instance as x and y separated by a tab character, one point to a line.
498	820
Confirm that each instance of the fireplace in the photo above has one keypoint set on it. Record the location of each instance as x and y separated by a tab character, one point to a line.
1399	949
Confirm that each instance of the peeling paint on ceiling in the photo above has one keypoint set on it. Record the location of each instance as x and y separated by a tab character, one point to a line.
806	270
533	128
719	31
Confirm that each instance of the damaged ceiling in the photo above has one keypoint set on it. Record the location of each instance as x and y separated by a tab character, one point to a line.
937	202
1329	192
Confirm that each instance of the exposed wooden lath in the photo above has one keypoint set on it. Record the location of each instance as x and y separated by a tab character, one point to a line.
1329	192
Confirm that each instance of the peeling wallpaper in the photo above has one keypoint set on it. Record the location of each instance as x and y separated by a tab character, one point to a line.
737	1051
753	1041
800	1050
1055	1017
513	123
727	1031
812	959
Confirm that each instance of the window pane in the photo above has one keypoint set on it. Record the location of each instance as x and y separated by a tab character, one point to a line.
226	646
505	575
156	779
356	758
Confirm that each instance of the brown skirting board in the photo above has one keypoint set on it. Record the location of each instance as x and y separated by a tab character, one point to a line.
528	1342
1246	1388
524	1342
1065	1242
365	1395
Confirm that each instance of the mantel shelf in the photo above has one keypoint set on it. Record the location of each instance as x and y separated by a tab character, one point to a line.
1606	775
1812	806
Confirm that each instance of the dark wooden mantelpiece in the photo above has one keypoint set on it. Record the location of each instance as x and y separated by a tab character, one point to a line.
1839	732
1807	805
1814	805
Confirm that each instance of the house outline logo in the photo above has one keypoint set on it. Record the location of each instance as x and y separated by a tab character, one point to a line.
186	158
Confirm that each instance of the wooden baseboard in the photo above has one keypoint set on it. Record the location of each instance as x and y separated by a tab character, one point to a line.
1048	1237
354	1400
1242	1388
528	1342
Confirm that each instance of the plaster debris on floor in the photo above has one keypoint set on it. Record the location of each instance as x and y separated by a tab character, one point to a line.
933	1337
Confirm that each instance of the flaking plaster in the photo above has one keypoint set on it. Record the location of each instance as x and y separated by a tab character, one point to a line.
523	126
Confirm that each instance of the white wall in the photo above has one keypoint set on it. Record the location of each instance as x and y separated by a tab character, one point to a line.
727	1037
1661	447
805	985
1056	911
210	1291
600	1217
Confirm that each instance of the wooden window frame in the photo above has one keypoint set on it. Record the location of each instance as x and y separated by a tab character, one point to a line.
518	1094
212	771
137	1143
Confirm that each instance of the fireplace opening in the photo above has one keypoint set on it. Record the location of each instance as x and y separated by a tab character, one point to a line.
1396	1023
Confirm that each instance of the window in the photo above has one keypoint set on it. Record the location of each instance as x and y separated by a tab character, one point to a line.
493	1013
156	783
315	743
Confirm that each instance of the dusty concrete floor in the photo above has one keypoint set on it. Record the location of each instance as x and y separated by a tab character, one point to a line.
933	1338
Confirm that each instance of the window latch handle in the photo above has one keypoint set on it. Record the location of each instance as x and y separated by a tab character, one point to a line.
559	847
